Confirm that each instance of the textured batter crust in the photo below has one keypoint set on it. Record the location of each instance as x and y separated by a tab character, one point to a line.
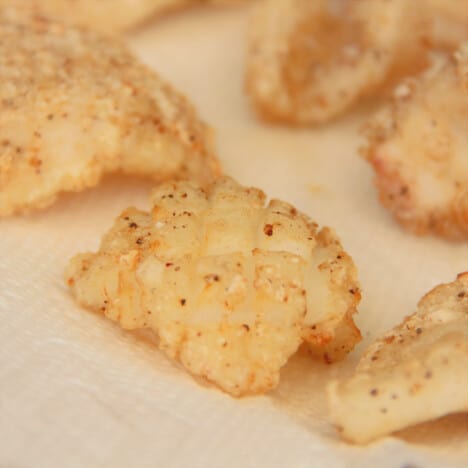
75	105
416	372
231	286
107	16
418	147
449	22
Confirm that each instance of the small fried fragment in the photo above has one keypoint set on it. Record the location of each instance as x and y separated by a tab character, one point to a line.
107	16
75	105
310	61
231	287
418	147
416	372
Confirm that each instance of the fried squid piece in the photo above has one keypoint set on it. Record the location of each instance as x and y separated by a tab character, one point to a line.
418	147
310	61
75	105
231	286
416	372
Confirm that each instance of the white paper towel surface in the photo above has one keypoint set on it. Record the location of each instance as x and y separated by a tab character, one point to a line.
76	391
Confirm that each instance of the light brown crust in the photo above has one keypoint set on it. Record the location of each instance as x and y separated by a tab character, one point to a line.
309	62
232	286
106	16
416	372
450	22
75	105
418	147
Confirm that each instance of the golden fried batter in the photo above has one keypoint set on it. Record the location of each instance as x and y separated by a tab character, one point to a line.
416	372
418	146
75	105
230	286
107	16
310	61
449	22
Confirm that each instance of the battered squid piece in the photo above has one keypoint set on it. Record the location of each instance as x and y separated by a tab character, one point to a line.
416	372
310	61
75	105
108	16
418	146
231	286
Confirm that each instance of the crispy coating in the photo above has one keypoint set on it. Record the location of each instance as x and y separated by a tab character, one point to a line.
418	147
107	16
309	62
449	22
416	372
75	105
232	287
